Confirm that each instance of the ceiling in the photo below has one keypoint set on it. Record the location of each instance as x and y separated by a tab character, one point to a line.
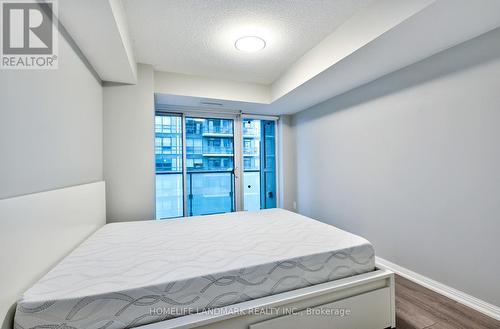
196	37
317	49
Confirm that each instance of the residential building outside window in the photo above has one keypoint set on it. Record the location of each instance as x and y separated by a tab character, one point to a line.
208	184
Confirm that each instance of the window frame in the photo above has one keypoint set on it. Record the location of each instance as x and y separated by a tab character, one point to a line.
238	118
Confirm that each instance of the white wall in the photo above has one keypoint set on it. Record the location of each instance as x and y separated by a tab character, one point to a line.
50	137
412	162
50	126
287	163
219	89
129	167
129	148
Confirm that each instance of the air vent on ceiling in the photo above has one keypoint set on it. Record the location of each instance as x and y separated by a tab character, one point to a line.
211	103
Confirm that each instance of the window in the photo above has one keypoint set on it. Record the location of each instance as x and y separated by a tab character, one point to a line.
208	183
168	160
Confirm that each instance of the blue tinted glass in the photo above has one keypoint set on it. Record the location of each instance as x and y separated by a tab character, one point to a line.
210	165
259	164
268	173
168	163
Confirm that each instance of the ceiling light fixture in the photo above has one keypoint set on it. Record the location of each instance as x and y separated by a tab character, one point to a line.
250	44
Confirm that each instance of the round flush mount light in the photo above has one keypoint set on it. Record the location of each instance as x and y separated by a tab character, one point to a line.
250	44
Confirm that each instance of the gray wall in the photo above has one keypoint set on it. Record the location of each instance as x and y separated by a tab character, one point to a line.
412	162
50	126
129	168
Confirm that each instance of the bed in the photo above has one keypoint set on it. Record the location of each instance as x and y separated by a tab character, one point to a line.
214	271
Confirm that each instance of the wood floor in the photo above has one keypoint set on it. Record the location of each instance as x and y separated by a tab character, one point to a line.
418	308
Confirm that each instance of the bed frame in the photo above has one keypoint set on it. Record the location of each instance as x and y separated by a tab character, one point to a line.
37	230
364	301
50	224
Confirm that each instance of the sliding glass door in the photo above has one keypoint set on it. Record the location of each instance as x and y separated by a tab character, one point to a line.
251	163
210	165
259	164
200	158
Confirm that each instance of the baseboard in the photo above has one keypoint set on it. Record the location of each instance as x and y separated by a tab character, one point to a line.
452	293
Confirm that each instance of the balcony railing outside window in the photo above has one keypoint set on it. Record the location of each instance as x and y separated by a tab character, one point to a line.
218	150
208	183
210	193
209	166
210	187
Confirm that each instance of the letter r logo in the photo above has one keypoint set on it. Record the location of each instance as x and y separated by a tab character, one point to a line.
27	28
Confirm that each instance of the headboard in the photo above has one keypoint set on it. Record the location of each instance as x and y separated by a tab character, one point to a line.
37	230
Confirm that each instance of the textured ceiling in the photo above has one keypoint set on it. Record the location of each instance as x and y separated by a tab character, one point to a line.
197	37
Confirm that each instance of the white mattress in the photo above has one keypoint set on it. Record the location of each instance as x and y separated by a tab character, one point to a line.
125	272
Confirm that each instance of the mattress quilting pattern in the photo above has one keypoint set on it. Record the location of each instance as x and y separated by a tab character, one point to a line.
130	274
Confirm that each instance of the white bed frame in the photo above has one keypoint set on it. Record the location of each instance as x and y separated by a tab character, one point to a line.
39	229
370	298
